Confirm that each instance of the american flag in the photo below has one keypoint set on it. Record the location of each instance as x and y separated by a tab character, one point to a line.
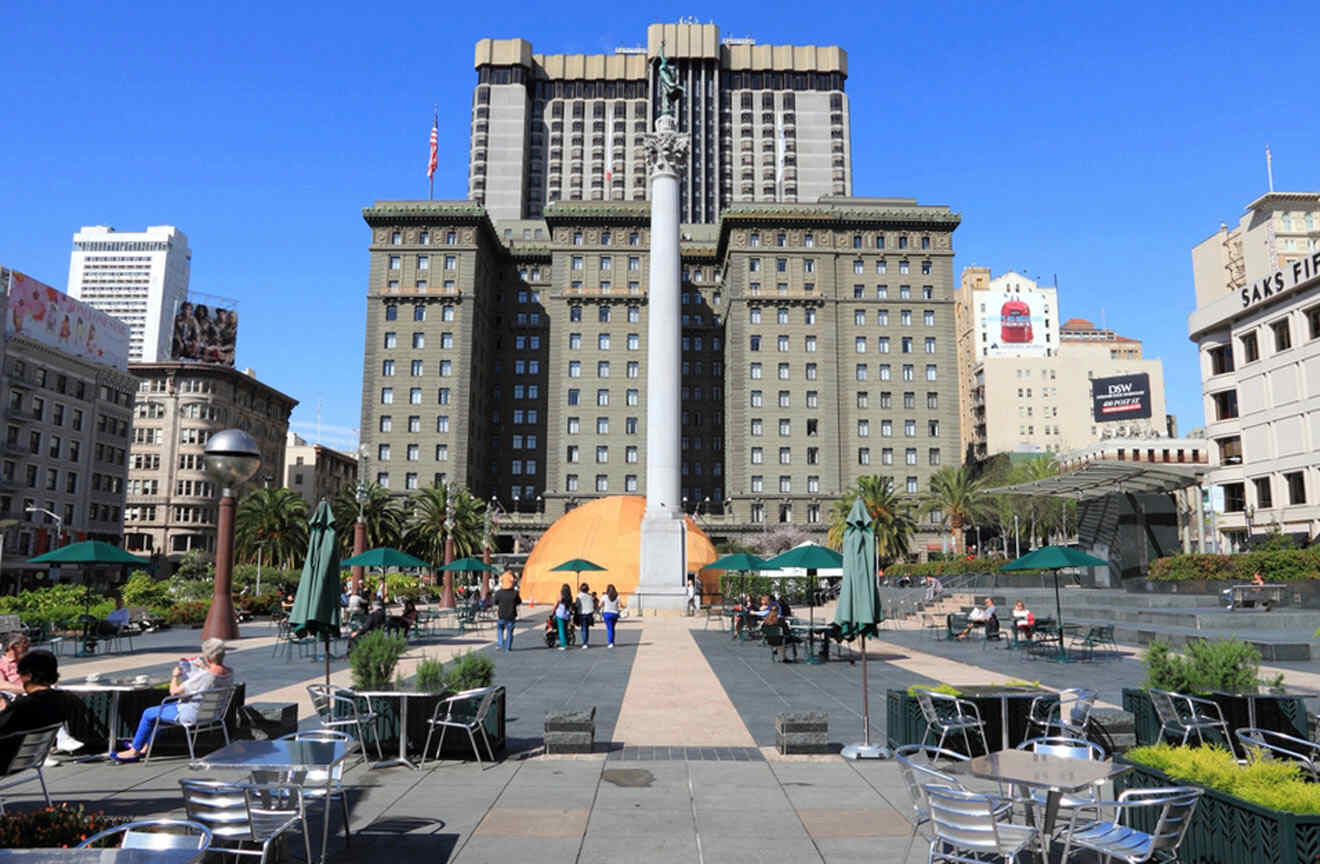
435	134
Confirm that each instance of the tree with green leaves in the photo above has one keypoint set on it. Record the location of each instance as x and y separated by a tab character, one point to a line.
892	515
381	511
274	522
426	516
958	497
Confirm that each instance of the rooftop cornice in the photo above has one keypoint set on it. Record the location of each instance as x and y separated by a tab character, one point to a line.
616	212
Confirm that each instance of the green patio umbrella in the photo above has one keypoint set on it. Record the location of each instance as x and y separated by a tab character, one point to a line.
859	610
316	605
384	556
808	557
470	565
578	565
1054	558
89	552
738	562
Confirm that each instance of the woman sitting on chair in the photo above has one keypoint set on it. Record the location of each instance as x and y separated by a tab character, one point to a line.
204	673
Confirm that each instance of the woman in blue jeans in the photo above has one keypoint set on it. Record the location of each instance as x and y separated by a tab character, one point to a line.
609	610
564	614
205	673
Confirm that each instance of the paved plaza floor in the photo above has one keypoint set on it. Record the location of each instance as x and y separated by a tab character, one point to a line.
685	768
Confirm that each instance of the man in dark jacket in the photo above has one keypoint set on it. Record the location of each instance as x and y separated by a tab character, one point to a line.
506	601
40	707
375	621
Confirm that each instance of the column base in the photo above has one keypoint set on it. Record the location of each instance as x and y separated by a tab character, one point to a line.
663	568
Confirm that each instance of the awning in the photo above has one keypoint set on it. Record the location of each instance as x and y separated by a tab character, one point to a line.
1110	477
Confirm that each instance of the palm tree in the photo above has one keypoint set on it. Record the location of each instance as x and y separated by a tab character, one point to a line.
274	522
382	513
956	494
892	516
428	524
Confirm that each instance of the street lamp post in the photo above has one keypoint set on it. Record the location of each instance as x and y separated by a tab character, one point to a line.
360	525
59	530
447	581
231	458
486	542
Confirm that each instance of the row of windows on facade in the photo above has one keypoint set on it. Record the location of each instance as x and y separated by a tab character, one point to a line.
181	385
883	371
755	316
96	512
858	292
1281	329
858	267
424	239
36	410
64	384
189	488
423	262
189	411
107	483
56	447
809	343
1235	494
859	241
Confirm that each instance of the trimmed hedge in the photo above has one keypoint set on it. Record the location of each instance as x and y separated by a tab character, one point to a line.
1276	784
1275	565
944	569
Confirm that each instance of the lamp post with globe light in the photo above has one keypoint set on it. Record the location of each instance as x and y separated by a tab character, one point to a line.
447	581
231	458
360	526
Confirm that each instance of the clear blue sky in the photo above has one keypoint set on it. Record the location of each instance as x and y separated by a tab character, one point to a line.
1098	143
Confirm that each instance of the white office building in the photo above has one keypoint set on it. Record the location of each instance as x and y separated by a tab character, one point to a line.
1257	327
139	277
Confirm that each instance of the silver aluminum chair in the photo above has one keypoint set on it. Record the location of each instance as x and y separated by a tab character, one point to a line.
916	765
1065	748
1180	714
445	717
1281	744
337	708
313	781
212	705
1069	714
1113	840
948	714
33	748
156	835
239	813
966	828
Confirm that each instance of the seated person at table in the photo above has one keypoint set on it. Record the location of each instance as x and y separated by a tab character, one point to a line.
357	604
785	611
1023	620
11	683
405	621
41	706
980	616
761	611
375	621
204	673
115	621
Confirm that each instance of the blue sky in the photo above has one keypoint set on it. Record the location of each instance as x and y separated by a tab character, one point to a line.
1098	144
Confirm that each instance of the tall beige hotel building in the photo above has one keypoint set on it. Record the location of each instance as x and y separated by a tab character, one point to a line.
506	335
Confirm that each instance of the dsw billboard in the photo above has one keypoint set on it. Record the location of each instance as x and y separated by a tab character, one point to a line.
1122	397
58	321
1013	324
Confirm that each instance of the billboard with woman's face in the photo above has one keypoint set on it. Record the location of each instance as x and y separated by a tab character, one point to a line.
205	334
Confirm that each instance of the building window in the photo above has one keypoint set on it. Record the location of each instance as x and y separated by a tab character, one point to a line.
1250	348
1264	496
911	486
863	455
387	395
934	456
1296	481
1282	335
1313	321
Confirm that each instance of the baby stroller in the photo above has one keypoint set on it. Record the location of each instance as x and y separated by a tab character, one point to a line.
552	632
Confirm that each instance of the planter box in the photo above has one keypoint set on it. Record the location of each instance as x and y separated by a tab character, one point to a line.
420	710
1280	713
1227	829
93	727
906	725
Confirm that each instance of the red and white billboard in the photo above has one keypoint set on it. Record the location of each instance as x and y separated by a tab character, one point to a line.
1012	324
56	320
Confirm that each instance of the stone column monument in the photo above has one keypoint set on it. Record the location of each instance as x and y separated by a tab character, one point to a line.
664	533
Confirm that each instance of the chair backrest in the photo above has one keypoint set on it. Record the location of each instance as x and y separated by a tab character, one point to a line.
318	774
1179	805
927	705
1065	748
332	703
965	819
221	807
212	704
1281	744
1165	709
1075	705
146	835
916	766
992	627
33	748
481	697
270	807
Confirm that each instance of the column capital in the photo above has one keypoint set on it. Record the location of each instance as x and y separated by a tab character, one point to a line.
666	148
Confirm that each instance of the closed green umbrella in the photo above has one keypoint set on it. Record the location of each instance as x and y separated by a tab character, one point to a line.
859	610
316	605
1054	558
809	557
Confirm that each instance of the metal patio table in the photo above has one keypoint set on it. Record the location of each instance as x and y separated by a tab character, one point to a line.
102	856
404	697
284	756
116	689
1054	774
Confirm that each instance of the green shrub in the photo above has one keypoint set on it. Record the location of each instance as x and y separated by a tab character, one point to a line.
1273	563
945	569
190	614
374	657
946	689
143	589
266	603
1226	665
469	671
61	827
431	676
57	605
1271	783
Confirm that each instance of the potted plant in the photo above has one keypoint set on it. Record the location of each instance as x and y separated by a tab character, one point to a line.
374	657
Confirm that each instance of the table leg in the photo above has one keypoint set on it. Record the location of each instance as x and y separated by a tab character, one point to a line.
113	732
1052	799
402	758
1003	716
325	821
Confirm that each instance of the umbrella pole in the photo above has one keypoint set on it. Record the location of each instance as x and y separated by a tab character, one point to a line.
811	617
865	750
327	658
1058	613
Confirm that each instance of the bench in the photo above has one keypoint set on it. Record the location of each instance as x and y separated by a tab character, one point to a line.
798	732
570	731
1267	596
266	721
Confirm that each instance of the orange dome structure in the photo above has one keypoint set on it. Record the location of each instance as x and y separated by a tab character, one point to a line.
608	532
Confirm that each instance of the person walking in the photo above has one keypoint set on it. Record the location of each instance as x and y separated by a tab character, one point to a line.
563	614
609	607
586	610
506	601
691	596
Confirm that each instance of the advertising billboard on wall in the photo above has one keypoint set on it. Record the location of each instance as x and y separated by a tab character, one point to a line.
1122	397
205	333
56	320
1012	323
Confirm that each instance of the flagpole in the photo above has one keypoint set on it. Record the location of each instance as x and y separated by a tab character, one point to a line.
430	165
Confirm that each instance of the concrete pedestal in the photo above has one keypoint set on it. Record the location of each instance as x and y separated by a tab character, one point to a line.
664	564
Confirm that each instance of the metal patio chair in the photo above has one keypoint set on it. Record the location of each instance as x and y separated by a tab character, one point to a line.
1065	748
1113	840
1069	713
337	708
916	765
948	714
1281	744
445	717
212	705
145	835
967	829
239	813
1180	714
33	748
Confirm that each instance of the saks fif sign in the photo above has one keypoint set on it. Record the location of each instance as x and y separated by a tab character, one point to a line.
1302	270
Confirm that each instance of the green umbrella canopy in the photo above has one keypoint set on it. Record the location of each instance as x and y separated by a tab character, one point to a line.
316	605
809	557
89	552
1054	558
740	561
859	601
578	565
470	564
384	557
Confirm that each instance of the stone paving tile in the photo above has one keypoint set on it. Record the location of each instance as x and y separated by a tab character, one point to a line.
504	850
605	848
503	821
870	850
854	822
720	848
